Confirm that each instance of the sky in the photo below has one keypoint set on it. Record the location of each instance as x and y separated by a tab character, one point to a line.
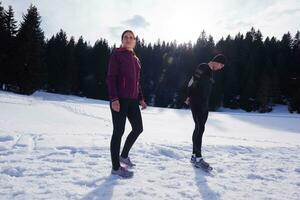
169	20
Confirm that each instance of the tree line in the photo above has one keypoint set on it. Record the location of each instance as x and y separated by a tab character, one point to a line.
260	72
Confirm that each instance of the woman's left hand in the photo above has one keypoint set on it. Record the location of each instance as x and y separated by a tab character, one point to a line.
143	104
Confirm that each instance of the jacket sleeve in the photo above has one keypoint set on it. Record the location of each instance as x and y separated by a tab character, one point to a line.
112	77
199	74
140	96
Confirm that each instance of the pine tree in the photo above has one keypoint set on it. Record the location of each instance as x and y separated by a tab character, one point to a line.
295	75
31	67
265	88
2	23
100	57
2	46
204	48
11	28
3	29
271	52
284	63
72	83
232	70
57	60
81	54
8	29
10	22
248	88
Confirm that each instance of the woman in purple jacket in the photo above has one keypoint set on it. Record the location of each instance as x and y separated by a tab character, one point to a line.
125	94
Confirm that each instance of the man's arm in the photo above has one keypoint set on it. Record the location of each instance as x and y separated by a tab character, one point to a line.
199	75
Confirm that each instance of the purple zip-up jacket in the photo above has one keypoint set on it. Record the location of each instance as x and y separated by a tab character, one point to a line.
123	77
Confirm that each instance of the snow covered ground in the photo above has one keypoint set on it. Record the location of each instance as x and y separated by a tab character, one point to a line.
57	147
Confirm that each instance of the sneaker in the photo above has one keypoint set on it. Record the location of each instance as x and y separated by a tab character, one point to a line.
200	163
193	158
127	162
122	172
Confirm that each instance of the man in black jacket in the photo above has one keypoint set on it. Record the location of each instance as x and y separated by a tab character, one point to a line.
199	90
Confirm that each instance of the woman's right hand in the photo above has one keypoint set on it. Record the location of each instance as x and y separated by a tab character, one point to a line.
116	105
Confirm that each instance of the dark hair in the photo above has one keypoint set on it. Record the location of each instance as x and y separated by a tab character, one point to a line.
220	58
127	31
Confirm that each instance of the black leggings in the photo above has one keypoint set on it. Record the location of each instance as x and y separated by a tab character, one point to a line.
128	108
200	118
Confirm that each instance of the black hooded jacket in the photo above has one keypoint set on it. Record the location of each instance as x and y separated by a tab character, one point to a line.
200	86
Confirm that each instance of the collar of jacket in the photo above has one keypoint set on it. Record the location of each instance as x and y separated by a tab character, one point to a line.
122	49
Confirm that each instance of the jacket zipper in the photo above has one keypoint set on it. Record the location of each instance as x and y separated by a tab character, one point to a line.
134	71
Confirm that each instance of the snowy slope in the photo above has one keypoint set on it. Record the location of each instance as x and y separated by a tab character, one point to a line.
57	147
